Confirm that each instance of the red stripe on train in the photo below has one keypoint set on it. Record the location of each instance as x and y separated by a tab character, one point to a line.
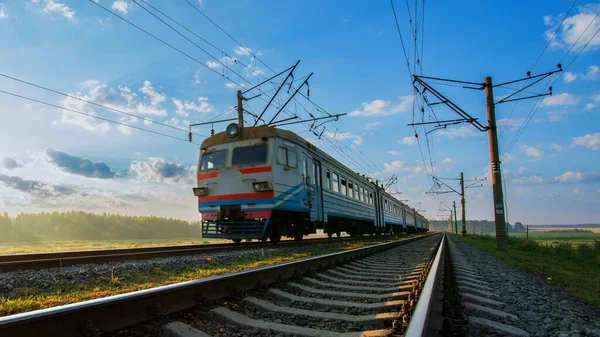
255	170
240	196
207	175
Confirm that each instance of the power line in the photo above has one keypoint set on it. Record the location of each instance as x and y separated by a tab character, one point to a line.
229	35
535	63
203	39
401	39
94	103
90	115
164	42
539	101
192	42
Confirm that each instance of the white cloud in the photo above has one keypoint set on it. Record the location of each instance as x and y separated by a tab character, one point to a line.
528	180
593	72
576	190
231	85
577	29
507	158
590	140
533	152
463	131
399	166
3	14
511	122
557	147
54	7
254	71
121	6
158	169
126	130
408	141
555	116
381	107
523	170
202	106
595	97
578	177
394	153
121	98
569	77
590	106
213	64
245	51
560	99
356	139
373	125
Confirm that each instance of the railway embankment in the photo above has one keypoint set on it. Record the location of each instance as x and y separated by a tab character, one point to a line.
27	290
525	284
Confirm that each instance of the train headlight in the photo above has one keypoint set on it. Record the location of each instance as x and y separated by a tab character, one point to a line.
233	130
200	191
262	186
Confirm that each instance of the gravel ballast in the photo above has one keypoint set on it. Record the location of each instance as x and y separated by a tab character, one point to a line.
14	284
543	309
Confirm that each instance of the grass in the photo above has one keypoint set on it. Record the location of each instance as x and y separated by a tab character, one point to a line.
73	245
576	267
32	299
558	236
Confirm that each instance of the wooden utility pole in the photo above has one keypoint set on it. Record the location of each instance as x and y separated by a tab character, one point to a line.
240	109
499	216
455	222
462	201
450	224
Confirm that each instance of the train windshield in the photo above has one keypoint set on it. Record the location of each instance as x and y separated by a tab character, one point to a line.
249	155
213	160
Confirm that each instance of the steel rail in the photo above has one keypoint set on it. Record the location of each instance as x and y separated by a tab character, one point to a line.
419	324
120	311
64	259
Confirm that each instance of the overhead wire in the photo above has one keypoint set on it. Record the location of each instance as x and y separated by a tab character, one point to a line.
539	100
94	103
93	116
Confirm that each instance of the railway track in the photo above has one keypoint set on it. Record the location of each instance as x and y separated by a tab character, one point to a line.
382	289
64	259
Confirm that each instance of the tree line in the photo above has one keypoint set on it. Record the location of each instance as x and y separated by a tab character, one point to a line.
78	225
475	226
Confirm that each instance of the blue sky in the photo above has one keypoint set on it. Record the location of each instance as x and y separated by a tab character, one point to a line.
52	159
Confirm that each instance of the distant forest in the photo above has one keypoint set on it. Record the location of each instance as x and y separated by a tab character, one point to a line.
76	225
475	226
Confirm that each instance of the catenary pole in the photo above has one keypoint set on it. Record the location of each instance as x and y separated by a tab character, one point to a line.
462	201
499	215
455	222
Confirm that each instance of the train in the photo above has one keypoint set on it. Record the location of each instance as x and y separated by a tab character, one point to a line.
266	183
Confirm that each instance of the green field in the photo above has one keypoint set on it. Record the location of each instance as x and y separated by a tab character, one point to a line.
573	237
565	261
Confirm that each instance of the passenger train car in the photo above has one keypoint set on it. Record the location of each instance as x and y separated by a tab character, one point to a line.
264	183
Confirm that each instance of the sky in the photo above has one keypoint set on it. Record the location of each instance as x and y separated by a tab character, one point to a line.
53	158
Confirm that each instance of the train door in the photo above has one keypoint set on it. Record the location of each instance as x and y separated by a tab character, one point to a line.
316	199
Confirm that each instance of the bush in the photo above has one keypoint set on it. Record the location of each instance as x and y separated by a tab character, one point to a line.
585	251
563	248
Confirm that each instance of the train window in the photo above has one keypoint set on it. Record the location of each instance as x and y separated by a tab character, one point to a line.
287	157
355	191
386	205
335	182
328	180
213	160
371	198
361	194
350	190
249	155
344	191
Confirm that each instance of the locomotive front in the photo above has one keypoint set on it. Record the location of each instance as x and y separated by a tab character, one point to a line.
235	183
